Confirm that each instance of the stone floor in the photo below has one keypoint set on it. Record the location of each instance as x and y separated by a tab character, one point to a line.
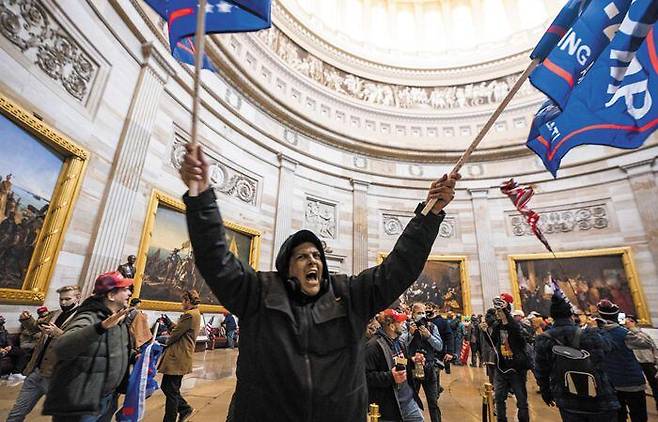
210	387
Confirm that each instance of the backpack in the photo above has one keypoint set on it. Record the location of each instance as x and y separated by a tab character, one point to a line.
573	369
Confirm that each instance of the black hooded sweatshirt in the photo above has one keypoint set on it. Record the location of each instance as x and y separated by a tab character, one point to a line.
302	359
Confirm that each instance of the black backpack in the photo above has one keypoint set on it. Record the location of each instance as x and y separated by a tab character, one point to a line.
573	369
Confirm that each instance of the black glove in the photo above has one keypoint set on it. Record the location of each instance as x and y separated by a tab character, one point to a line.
548	398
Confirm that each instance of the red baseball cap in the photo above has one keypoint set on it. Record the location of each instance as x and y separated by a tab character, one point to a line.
397	316
110	281
42	310
507	297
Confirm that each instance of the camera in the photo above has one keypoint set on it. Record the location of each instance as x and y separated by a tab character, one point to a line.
421	322
400	363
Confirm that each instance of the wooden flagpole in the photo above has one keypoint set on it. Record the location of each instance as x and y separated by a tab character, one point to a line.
199	41
467	154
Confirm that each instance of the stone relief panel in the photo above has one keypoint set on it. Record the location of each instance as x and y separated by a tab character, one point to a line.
43	41
320	217
394	224
566	220
452	97
224	178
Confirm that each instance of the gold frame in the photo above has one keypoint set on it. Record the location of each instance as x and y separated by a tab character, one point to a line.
161	198
626	254
51	237
463	275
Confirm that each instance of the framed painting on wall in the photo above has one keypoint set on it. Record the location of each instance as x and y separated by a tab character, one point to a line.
165	261
586	277
40	177
444	282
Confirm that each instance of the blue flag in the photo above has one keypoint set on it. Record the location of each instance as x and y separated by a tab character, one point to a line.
580	46
613	104
141	383
221	16
558	28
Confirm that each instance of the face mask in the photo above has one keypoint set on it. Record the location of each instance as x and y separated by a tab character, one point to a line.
420	316
68	307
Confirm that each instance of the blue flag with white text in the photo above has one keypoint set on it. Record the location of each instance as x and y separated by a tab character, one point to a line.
613	104
560	25
581	45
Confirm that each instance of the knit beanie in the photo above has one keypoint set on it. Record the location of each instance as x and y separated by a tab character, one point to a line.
560	308
608	310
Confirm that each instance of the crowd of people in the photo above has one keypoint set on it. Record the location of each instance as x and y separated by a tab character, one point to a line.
320	347
592	367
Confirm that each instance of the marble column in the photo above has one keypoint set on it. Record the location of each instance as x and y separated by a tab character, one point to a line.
485	247
645	190
128	164
359	226
284	203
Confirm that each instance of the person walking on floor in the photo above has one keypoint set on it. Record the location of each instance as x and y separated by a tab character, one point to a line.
177	359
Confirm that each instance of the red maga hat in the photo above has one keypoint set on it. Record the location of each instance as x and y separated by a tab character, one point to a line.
110	281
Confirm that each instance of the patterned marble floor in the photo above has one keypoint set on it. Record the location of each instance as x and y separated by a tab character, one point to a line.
210	387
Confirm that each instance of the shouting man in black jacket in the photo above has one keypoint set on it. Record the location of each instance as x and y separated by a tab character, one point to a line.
301	329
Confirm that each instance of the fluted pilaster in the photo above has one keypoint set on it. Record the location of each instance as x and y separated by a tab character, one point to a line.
485	247
127	167
360	226
284	202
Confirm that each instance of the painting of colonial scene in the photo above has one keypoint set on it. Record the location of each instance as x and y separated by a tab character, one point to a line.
585	280
439	283
28	175
170	268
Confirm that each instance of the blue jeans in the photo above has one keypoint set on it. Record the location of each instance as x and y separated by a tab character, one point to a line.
411	412
515	382
230	339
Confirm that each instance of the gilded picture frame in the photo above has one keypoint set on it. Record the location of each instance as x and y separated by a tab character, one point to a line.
148	272
49	237
592	275
455	274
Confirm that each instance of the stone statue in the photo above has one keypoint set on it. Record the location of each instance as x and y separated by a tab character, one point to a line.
128	269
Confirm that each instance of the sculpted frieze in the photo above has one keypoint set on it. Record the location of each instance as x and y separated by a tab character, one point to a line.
572	219
394	224
43	41
389	95
320	217
223	178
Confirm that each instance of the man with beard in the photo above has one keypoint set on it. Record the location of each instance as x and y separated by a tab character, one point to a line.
388	372
92	355
40	367
301	329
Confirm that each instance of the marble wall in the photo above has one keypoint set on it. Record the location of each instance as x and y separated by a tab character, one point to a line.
269	176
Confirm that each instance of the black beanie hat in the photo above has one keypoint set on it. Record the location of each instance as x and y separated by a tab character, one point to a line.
608	310
560	307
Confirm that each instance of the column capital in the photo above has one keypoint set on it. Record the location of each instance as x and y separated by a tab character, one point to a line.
640	167
479	193
359	185
287	162
154	60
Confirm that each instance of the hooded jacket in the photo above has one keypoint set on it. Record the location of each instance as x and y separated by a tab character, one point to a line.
301	359
91	361
564	329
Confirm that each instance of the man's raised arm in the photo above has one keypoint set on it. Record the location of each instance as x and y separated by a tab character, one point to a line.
235	285
377	287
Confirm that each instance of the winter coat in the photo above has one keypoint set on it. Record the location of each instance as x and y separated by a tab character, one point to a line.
177	357
446	335
487	351
520	361
302	359
620	364
43	356
564	330
91	362
382	389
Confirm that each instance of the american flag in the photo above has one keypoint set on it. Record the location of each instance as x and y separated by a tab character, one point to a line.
520	196
209	326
